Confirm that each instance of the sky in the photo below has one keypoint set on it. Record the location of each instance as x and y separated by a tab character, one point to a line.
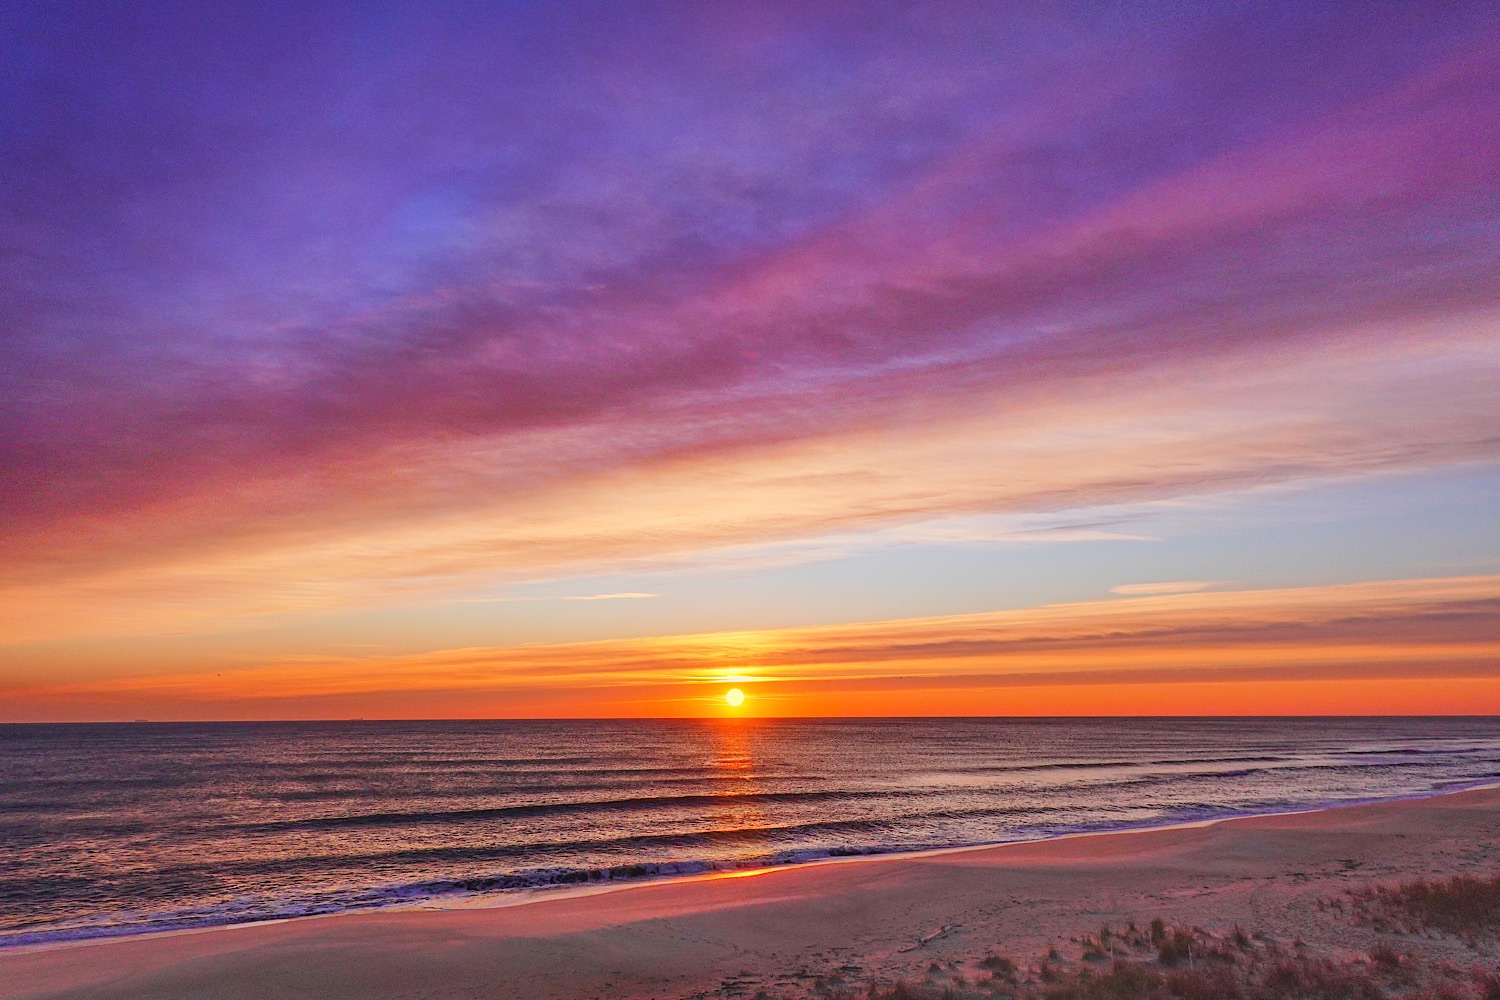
559	359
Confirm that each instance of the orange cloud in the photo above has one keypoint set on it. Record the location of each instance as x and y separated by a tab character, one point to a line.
1114	438
1285	650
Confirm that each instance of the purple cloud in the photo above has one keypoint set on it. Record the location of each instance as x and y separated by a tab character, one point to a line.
261	264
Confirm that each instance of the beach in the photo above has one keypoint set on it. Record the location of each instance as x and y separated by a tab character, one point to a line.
767	501
784	931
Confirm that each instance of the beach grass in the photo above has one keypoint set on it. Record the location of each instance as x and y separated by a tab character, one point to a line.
1162	961
1465	905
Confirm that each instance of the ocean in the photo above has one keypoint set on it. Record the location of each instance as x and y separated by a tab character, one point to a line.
124	829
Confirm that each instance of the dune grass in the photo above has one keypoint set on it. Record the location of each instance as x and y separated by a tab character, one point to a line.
1466	905
1161	961
1165	962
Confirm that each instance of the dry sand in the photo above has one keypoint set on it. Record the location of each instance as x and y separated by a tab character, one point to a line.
879	918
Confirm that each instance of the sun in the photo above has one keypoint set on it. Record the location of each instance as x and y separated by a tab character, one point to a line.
734	697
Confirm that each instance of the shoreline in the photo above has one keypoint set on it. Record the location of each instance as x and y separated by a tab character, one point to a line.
506	899
542	894
728	937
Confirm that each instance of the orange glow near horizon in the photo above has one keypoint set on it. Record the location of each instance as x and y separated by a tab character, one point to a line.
1268	652
1374	697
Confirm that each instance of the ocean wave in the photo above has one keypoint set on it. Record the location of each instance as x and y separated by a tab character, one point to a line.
121	830
646	802
253	909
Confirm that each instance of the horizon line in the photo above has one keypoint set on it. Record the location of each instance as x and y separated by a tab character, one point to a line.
744	718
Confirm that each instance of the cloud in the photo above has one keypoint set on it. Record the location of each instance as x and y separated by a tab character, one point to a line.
292	331
570	597
608	597
1119	440
1385	631
1172	587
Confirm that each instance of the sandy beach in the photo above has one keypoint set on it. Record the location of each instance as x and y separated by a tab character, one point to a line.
782	931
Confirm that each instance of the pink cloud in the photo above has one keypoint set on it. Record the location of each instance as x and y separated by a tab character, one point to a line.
635	334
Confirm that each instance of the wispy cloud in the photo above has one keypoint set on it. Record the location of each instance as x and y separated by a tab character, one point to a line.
1371	634
707	284
520	599
1125	440
1166	587
609	597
